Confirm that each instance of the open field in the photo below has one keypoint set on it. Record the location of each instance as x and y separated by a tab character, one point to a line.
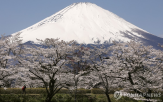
39	95
61	98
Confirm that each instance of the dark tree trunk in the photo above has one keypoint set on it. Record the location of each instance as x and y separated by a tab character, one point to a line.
75	94
107	95
147	97
48	98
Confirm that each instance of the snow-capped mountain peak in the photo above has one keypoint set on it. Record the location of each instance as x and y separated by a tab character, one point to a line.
84	22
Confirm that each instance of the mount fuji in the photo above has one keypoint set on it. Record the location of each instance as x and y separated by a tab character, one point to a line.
87	23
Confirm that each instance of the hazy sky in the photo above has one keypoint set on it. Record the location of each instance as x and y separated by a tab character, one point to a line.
16	15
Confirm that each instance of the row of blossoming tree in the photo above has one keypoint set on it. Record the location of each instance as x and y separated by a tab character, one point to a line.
58	64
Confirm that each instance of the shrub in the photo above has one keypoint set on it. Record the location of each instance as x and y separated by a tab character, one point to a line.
63	91
97	91
11	91
83	91
19	91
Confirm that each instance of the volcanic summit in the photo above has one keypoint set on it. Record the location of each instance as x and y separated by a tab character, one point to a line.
87	23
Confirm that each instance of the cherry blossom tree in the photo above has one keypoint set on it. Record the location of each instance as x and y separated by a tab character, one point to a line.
103	65
10	49
48	64
130	65
80	69
140	66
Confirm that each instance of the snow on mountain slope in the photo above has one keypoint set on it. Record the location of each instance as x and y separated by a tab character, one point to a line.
85	23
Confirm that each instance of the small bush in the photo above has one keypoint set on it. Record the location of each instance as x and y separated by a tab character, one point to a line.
63	91
83	91
11	91
97	91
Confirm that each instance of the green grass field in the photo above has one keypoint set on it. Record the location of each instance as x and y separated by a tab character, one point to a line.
39	95
61	98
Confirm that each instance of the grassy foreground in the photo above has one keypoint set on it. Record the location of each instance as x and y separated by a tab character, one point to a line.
61	98
64	95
